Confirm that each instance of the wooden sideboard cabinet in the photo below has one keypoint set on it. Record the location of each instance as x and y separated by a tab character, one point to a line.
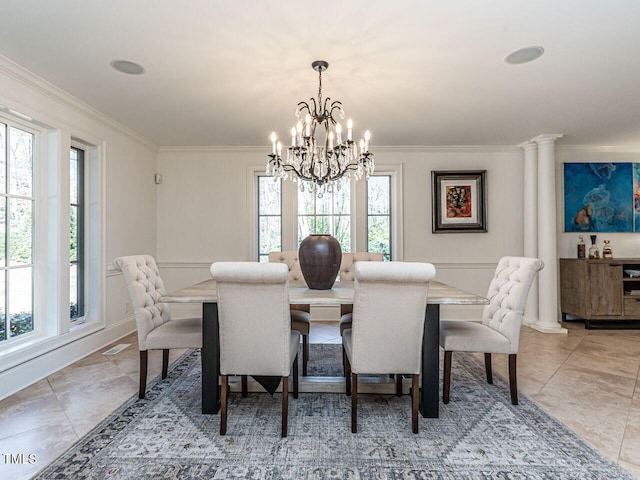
601	290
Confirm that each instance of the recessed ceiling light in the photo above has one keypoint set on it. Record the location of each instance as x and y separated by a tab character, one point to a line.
125	66
524	55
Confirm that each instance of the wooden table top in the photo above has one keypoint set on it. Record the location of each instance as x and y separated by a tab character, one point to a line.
341	293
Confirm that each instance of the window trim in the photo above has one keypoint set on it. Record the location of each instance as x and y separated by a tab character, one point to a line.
394	170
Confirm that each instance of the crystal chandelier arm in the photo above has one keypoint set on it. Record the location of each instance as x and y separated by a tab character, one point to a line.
336	104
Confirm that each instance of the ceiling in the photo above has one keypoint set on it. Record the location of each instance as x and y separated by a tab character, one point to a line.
414	72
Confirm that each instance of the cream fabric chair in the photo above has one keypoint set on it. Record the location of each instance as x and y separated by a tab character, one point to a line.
156	329
387	292
499	331
300	314
255	327
347	274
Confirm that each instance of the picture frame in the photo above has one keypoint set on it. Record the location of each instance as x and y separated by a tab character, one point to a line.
459	201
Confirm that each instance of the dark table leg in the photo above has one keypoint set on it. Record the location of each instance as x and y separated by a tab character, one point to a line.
429	393
210	359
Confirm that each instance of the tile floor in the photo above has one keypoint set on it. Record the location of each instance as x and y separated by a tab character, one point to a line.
588	379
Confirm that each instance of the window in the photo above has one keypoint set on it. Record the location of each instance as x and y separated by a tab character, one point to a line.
362	216
16	231
76	234
330	214
379	215
51	220
269	216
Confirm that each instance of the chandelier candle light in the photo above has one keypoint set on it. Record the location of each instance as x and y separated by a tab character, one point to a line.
325	165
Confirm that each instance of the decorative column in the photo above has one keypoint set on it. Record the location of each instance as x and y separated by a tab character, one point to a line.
531	223
549	308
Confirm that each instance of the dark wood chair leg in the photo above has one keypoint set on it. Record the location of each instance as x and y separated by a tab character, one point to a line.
344	362
295	377
398	385
165	362
305	354
354	403
347	373
513	382
285	404
446	380
244	385
143	373
487	367
415	389
224	382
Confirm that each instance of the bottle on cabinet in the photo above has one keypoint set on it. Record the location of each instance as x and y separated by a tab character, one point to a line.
593	249
581	247
607	251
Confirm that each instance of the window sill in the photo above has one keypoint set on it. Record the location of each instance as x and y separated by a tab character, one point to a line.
39	344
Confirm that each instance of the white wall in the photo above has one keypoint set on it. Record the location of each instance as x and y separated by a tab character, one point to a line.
129	211
214	181
625	245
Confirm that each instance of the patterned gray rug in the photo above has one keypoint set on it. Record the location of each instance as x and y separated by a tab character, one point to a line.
479	435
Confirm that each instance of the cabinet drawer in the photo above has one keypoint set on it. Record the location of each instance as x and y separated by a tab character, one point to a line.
632	307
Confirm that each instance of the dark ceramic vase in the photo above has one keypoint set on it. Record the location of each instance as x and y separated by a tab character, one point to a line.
320	257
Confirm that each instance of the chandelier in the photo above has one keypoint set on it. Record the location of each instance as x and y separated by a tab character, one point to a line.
322	166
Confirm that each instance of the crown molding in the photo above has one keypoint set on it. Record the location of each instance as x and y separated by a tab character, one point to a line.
378	148
600	148
18	73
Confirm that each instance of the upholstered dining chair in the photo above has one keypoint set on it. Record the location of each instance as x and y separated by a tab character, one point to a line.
300	314
255	327
347	274
156	329
385	291
499	331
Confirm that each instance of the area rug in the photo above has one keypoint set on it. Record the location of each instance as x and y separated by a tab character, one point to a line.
479	435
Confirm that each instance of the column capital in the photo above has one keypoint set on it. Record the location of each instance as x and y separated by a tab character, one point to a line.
528	145
547	138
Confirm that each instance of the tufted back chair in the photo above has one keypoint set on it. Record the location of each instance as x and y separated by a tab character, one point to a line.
347	266
499	331
145	287
290	259
156	329
387	293
507	296
348	274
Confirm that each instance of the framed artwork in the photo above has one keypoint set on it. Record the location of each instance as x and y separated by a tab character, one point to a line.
459	201
601	197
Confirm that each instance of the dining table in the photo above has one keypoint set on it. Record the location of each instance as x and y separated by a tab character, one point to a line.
341	293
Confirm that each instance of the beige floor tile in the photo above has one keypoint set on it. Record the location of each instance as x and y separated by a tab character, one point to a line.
31	408
45	443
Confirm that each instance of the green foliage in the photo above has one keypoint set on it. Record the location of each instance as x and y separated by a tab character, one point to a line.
20	323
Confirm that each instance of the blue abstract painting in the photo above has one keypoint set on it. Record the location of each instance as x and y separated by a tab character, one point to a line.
599	197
